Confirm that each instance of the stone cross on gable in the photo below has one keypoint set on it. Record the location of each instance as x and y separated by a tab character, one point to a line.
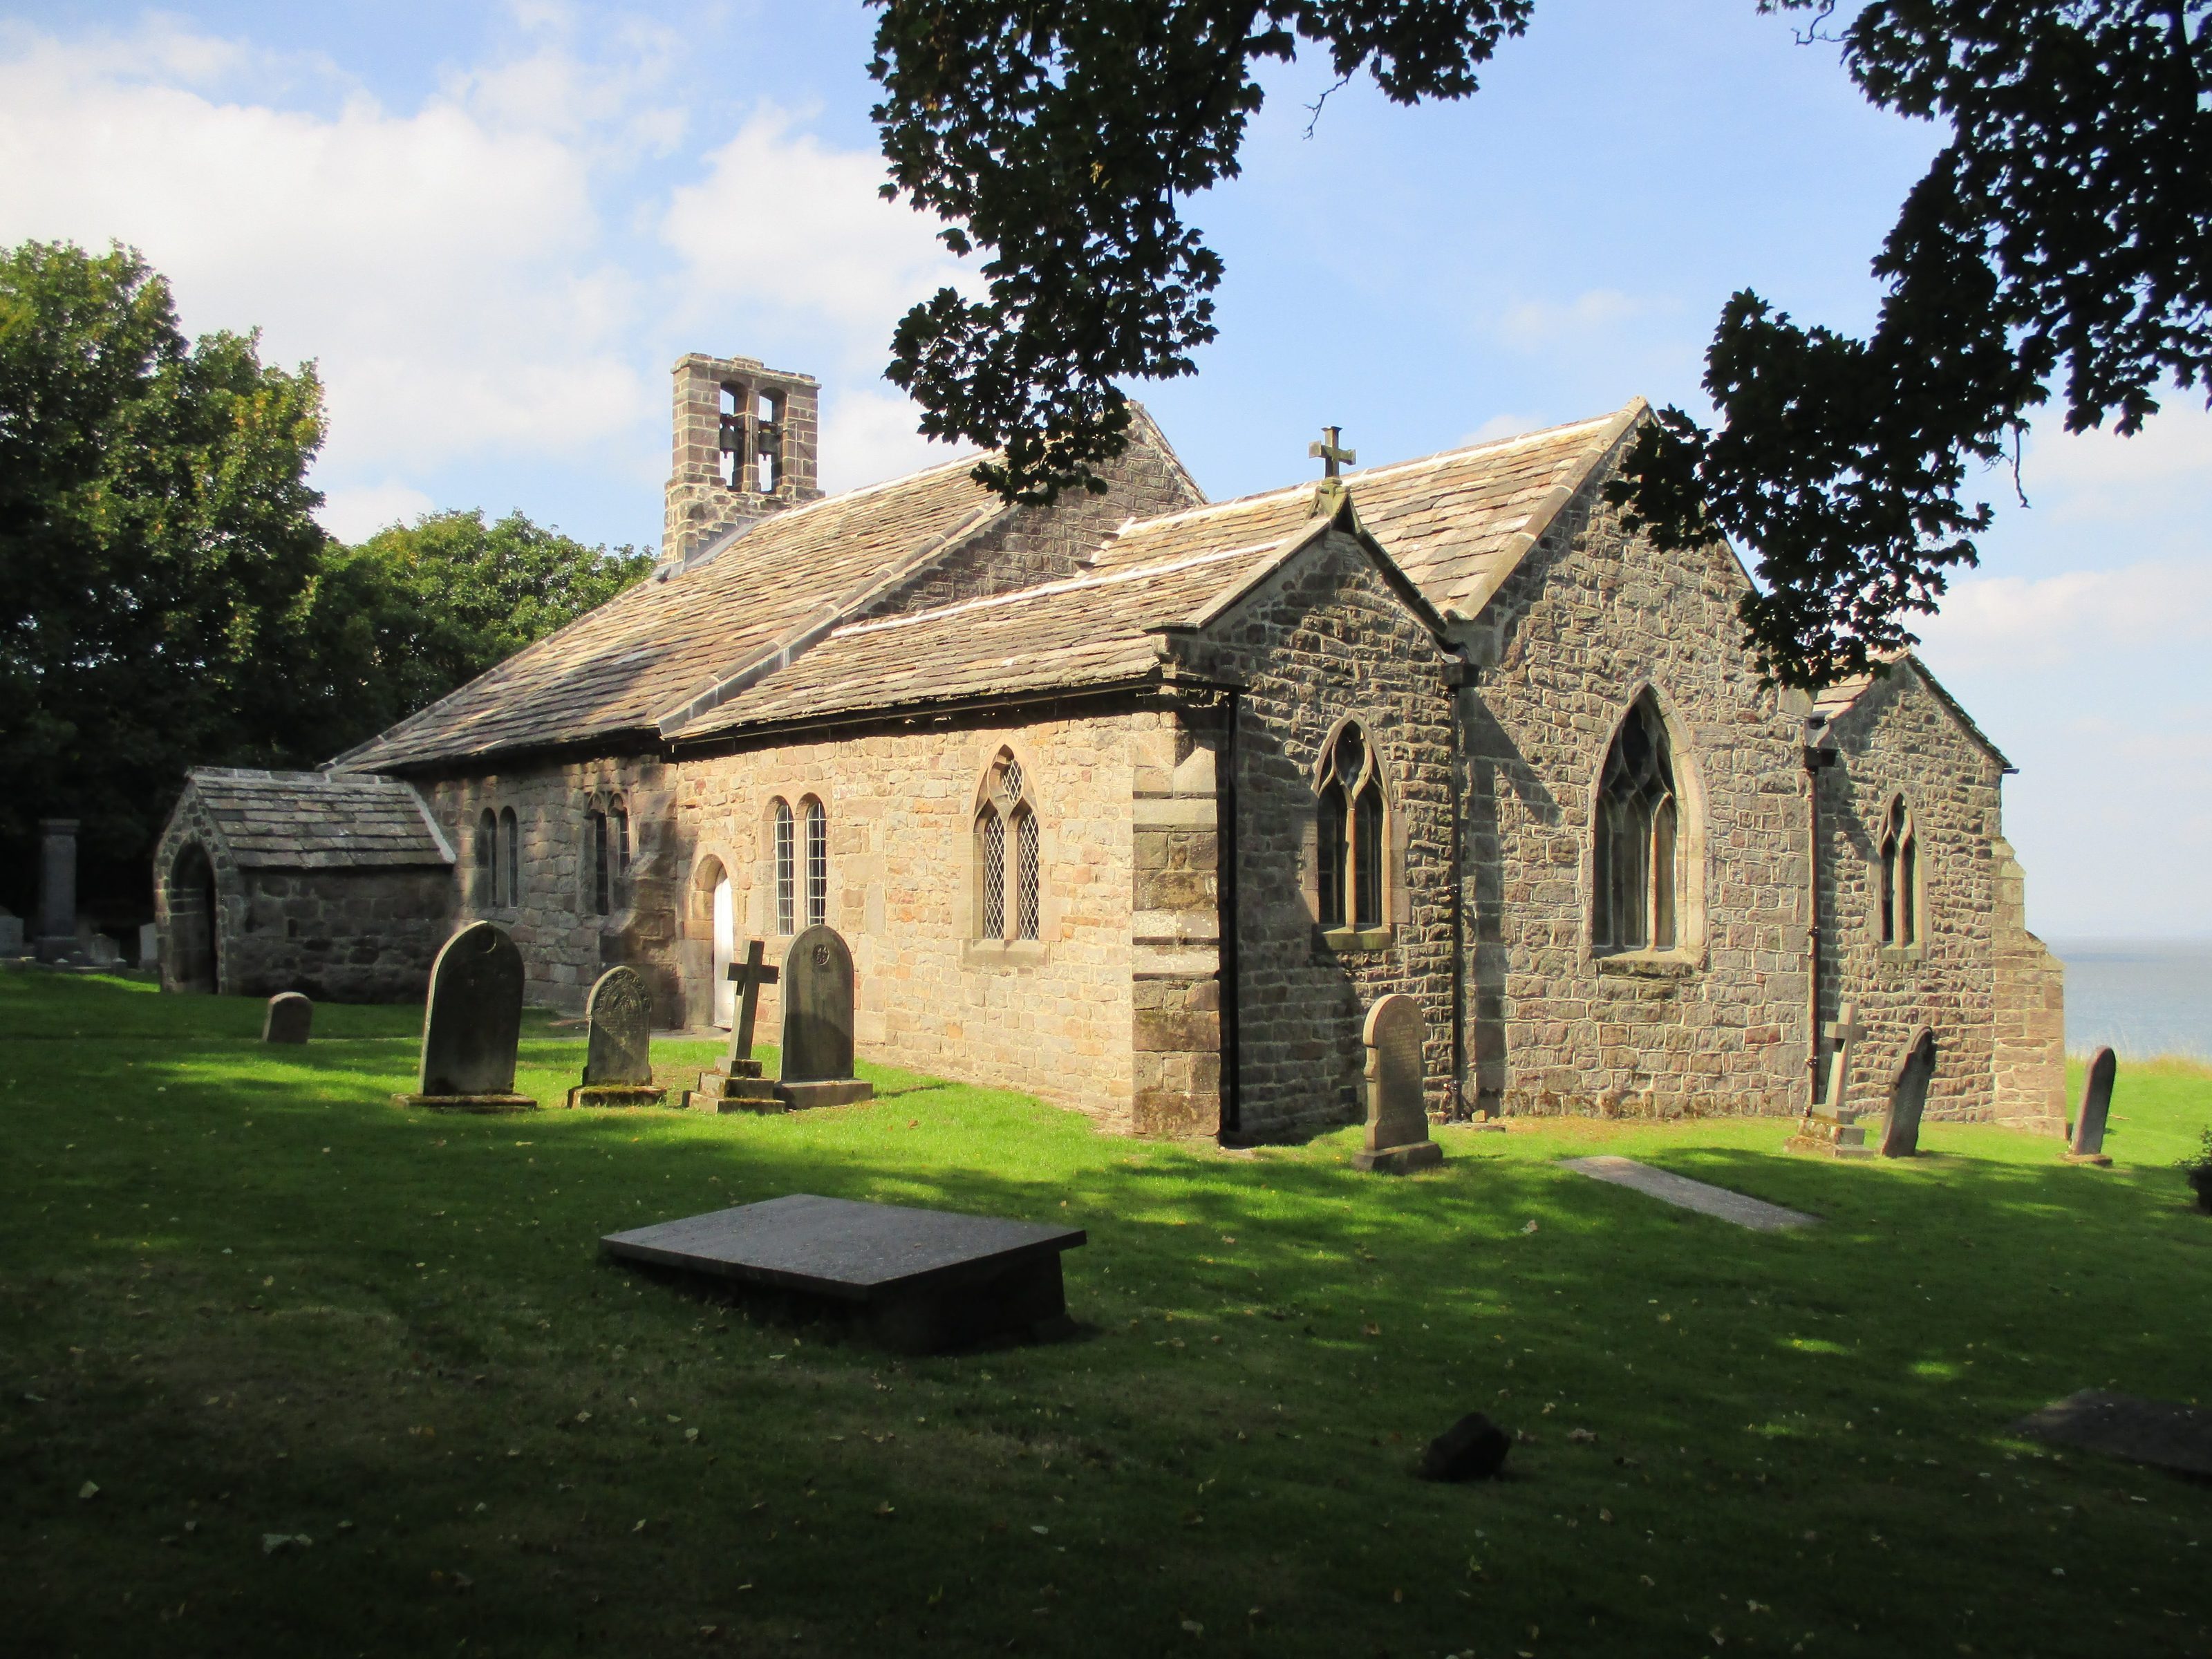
1844	1031
748	976
1329	452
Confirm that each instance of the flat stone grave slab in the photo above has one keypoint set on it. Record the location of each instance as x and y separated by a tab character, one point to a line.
2159	1432
917	1280
1688	1194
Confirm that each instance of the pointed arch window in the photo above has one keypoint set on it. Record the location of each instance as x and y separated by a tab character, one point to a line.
816	819
595	836
1900	878
783	830
1009	855
1637	869
1351	836
510	833
618	826
486	882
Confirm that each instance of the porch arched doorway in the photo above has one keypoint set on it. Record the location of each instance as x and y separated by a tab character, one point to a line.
194	943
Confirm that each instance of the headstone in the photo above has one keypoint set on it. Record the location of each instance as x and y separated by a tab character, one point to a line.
618	1050
149	947
101	951
919	1280
1908	1098
288	1019
1397	1110
817	1023
472	1023
735	1083
1835	1132
11	933
1472	1449
2088	1145
58	938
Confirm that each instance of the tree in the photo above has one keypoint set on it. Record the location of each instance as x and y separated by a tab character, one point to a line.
156	532
417	610
2066	226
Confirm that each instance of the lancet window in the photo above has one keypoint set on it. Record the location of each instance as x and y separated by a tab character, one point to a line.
786	868
1637	869
1900	878
487	879
1009	858
1350	835
510	833
817	862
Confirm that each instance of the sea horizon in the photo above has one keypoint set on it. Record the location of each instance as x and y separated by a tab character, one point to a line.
2139	997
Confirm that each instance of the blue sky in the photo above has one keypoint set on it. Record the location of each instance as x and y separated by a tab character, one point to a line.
494	227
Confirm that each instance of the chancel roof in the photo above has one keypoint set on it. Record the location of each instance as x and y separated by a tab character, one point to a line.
319	820
771	625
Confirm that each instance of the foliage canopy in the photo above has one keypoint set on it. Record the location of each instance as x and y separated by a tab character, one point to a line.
2065	232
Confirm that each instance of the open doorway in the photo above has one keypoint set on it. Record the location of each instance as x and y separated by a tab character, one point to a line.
194	946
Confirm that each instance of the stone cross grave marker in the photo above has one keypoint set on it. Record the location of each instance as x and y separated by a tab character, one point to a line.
1397	1114
288	1019
1835	1132
1908	1098
736	1085
2088	1145
817	1021
471	1023
618	1044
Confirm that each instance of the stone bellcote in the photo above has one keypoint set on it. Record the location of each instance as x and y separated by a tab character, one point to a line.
745	439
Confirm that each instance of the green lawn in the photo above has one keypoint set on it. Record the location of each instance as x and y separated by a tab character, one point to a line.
244	1297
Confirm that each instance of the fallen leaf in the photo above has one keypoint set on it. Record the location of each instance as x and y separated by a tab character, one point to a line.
90	1489
1530	1228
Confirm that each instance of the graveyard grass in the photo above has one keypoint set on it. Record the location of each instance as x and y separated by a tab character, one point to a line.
289	1370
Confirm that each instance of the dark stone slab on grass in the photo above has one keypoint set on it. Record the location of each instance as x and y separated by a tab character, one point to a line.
288	1019
2159	1432
1472	1449
917	1280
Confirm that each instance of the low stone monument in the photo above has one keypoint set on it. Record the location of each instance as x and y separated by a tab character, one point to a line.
618	1050
1908	1099
11	933
288	1019
1837	1131
1397	1112
916	1280
817	1023
736	1085
2088	1145
471	1023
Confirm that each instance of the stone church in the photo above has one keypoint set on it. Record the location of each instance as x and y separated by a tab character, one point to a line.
1139	801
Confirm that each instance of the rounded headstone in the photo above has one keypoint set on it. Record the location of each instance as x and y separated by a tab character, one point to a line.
1397	1114
289	1017
818	1007
472	1018
619	1049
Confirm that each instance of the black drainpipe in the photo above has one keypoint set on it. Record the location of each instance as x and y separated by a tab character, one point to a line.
1818	757
1224	841
1461	675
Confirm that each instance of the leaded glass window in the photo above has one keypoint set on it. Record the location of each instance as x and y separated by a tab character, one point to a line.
1009	877
818	864
1026	874
786	869
1350	836
992	830
1636	866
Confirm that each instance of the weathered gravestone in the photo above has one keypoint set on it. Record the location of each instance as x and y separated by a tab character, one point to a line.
1836	1133
1397	1113
918	1280
2088	1145
1908	1099
817	1023
471	1022
735	1083
11	933
288	1019
618	1050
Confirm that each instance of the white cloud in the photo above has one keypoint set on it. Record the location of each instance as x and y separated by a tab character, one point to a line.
357	512
870	435
1544	322
1503	426
441	266
2174	447
2016	624
781	224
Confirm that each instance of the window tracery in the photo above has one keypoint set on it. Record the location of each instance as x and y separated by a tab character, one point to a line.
1352	835
1636	870
1009	879
1900	878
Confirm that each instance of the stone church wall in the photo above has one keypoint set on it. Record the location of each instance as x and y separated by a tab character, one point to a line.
1592	618
1051	1017
1899	740
1327	639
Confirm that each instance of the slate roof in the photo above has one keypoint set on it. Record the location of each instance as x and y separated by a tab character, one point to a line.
754	632
319	820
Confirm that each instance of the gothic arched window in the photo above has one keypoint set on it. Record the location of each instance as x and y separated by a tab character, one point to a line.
817	862
618	823
510	831
487	886
596	849
1637	869
1900	878
1009	859
1351	837
786	869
